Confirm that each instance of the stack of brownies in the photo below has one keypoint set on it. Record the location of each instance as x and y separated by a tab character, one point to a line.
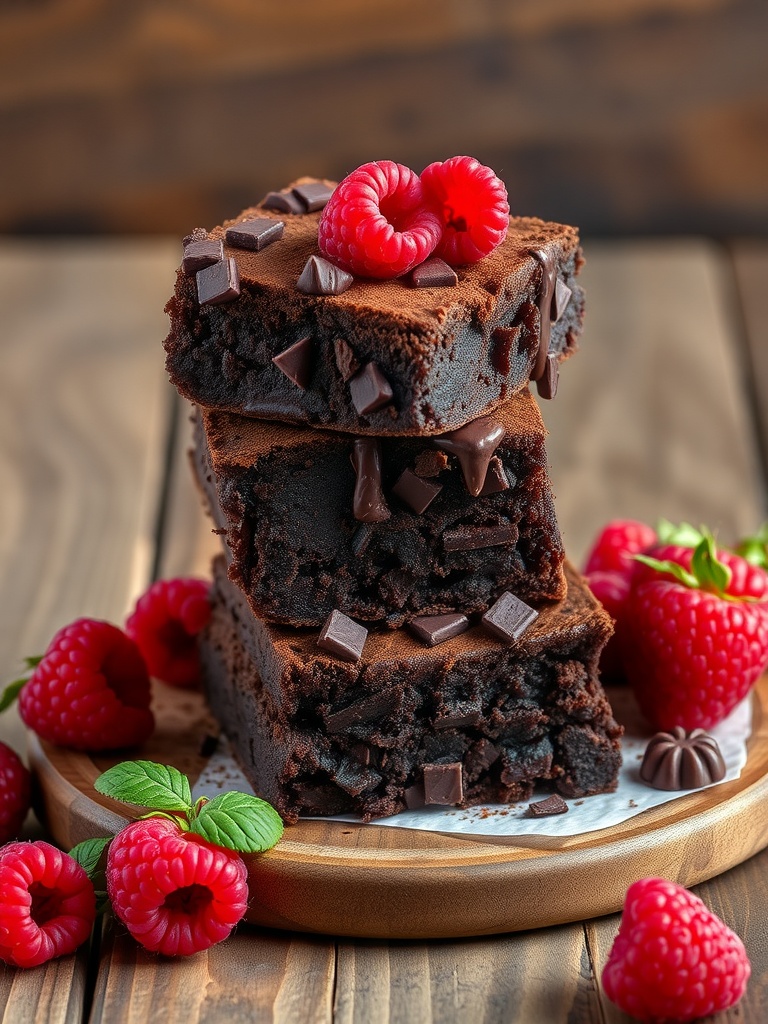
394	622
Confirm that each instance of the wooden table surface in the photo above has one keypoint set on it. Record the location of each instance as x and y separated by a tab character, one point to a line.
663	413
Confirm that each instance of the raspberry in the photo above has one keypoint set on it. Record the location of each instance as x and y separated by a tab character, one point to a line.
612	590
615	545
697	634
471	203
165	624
15	792
673	959
176	893
47	904
90	690
376	223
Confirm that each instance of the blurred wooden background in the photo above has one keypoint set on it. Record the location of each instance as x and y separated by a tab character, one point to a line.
155	115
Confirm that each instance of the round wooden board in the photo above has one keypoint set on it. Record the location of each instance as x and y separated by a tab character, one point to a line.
372	881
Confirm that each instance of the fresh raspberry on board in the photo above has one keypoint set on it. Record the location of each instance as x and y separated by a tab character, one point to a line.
471	203
176	893
90	690
673	959
612	590
376	223
165	624
48	904
15	793
696	634
616	545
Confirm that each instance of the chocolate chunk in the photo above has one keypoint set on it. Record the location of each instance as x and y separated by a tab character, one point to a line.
545	808
481	756
434	273
472	538
473	445
319	277
546	385
254	234
218	283
353	778
200	253
313	195
430	463
368	502
509	617
560	300
342	636
496	479
504	342
361	539
460	715
374	707
415	491
282	202
436	629
443	784
414	796
347	362
544	299
296	362
682	760
369	389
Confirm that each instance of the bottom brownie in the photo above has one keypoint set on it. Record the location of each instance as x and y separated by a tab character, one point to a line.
474	720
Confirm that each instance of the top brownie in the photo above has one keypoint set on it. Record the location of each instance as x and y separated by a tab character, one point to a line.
381	357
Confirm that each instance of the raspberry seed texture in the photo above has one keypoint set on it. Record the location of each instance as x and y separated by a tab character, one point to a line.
165	624
376	223
15	793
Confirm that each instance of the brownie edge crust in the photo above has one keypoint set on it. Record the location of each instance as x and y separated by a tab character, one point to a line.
318	736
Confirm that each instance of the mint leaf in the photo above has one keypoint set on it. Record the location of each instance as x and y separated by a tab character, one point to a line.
102	901
88	853
679	572
32	663
156	786
11	692
238	821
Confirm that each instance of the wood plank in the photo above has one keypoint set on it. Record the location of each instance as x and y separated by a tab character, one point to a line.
249	979
750	262
649	419
536	978
680	149
81	422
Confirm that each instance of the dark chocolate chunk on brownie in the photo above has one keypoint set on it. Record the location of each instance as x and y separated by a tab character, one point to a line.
447	354
292	502
473	719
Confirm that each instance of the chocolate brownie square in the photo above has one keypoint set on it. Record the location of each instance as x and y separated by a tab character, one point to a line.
382	529
473	720
380	357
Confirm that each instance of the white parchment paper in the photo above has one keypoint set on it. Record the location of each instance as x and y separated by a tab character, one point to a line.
584	815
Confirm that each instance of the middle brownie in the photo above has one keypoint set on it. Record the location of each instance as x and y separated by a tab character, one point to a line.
384	529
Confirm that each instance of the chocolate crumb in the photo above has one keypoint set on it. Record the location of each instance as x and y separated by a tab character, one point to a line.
551	805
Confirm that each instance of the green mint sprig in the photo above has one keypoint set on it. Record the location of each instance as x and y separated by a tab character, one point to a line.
236	821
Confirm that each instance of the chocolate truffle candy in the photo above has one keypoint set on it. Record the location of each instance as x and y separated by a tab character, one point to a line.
682	760
449	354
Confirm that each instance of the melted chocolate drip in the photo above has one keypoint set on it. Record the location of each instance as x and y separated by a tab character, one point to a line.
473	445
544	302
368	503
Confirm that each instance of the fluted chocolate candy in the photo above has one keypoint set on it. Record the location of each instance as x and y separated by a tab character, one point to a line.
682	760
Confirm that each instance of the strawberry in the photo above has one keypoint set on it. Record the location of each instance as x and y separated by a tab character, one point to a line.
696	633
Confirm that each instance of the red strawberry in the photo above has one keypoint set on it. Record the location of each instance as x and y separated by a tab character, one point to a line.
673	959
697	634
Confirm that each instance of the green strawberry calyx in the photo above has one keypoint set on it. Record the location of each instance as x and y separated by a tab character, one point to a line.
754	549
683	534
707	572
